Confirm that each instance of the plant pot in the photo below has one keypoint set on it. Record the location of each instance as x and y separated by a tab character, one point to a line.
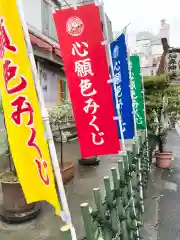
91	161
15	208
13	198
163	160
67	172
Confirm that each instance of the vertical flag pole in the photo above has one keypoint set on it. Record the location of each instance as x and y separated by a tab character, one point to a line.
66	213
146	131
107	38
144	101
132	97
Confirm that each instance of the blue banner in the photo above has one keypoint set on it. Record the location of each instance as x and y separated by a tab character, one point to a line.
122	85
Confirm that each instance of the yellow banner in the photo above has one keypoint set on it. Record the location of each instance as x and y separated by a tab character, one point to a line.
24	123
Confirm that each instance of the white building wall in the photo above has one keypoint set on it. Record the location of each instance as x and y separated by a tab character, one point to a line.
143	46
33	13
49	83
147	71
157	50
49	77
164	30
147	53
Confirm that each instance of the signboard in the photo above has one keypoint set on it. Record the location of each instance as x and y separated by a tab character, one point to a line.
23	119
122	86
176	57
137	88
80	37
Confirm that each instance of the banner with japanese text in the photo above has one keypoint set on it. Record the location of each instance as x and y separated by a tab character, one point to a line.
80	37
26	133
137	87
122	86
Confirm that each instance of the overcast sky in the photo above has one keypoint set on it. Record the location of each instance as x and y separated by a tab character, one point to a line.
145	15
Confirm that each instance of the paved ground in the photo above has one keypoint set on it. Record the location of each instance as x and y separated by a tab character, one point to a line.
152	197
162	205
47	225
169	206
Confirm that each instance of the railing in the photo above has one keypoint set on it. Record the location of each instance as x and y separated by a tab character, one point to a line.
118	216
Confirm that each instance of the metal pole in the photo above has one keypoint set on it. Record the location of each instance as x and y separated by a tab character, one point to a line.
132	97
146	131
97	2
65	214
144	100
122	31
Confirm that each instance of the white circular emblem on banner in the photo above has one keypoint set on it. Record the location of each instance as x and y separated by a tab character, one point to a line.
116	52
75	26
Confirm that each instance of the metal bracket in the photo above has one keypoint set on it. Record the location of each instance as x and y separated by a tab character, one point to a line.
75	7
105	42
117	106
110	80
116	118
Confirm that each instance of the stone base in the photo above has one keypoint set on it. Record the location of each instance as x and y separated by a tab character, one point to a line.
9	217
93	161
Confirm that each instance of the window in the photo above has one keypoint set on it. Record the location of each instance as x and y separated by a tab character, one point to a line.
48	24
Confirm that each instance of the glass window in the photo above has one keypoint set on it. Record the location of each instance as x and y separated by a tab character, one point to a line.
48	24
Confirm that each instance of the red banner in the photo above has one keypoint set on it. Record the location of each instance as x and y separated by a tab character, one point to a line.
80	36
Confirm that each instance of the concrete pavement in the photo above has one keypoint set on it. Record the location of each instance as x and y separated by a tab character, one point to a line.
159	196
79	190
169	205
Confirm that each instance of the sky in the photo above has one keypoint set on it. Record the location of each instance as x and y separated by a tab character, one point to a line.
145	15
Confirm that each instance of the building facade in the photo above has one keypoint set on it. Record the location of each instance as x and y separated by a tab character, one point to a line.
39	16
149	48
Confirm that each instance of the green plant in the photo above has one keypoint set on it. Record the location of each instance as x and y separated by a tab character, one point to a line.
57	116
162	103
58	113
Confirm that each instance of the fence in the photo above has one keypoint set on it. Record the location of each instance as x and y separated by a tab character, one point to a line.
118	216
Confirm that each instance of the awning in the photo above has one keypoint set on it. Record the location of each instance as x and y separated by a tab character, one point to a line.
57	52
40	43
43	44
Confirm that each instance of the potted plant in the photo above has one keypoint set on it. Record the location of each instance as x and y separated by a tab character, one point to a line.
14	208
163	158
162	106
57	117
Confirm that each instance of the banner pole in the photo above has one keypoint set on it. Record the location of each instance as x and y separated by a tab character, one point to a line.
65	215
101	3
146	131
132	97
142	82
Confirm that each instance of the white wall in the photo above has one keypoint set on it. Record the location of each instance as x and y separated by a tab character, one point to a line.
147	71
49	84
143	46
164	30
146	51
33	13
157	50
